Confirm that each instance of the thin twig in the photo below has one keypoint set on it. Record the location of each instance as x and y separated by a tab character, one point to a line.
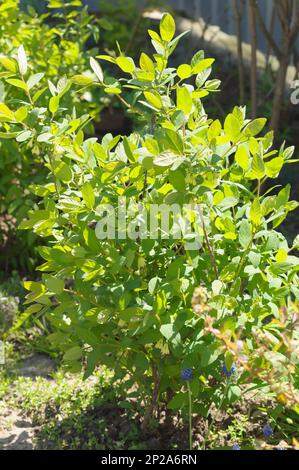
212	257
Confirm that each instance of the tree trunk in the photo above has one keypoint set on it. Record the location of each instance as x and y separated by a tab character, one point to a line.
252	20
238	18
279	90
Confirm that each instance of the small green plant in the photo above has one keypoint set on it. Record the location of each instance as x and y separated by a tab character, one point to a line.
148	303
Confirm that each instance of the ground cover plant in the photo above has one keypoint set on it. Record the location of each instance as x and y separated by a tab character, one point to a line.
191	322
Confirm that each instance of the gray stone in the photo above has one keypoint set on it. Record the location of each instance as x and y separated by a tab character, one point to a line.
37	365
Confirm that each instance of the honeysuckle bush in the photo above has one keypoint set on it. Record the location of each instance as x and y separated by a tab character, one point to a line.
151	308
55	44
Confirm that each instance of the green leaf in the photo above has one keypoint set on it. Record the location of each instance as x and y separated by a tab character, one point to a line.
54	104
33	286
214	129
245	234
234	393
184	71
202	77
108	58
34	80
21	114
141	363
154	99
177	179
88	195
167	27
146	63
45	137
165	159
202	65
296	242
274	167
255	127
169	332
23	136
113	90
54	284
82	80
258	167
126	64
62	171
281	255
184	100
283	197
97	69
179	401
73	354
242	157
256	212
17	83
232	127
281	268
6	112
128	149
152	285
197	58
38	94
22	60
8	64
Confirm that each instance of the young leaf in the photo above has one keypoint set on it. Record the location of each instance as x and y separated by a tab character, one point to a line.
242	157
245	234
82	80
184	100
34	80
54	104
255	127
88	195
97	69
167	27
184	71
6	112
17	83
256	212
232	127
22	60
154	99
165	159
8	64
23	136
258	167
202	65
214	130
146	63
126	64
202	77
274	166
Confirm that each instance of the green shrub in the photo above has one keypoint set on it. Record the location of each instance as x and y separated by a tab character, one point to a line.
151	307
55	44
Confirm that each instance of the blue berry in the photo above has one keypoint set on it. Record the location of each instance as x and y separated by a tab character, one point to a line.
229	372
236	447
187	374
267	430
